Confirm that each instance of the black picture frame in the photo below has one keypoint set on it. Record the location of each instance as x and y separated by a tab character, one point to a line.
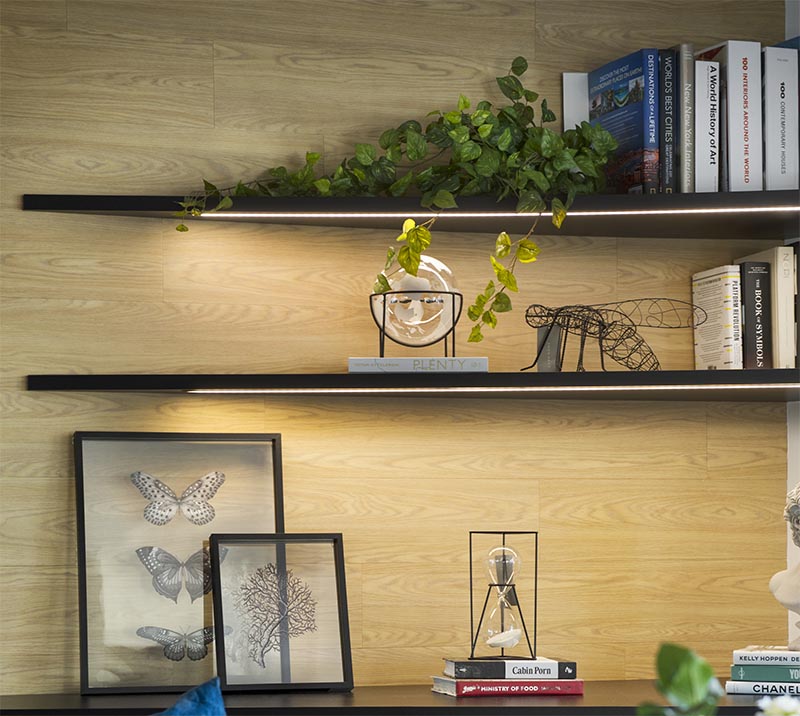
262	646
146	505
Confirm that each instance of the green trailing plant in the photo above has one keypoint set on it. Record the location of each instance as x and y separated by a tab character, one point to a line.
500	151
687	682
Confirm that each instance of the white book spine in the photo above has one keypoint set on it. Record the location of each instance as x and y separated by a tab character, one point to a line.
745	154
764	688
781	139
418	365
766	655
706	126
575	94
718	341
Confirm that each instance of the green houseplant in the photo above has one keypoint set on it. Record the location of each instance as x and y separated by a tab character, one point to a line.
490	150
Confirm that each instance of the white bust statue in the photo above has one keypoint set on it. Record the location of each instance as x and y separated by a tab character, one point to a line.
785	585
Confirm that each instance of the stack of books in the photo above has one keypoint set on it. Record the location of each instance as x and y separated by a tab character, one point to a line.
508	677
765	670
686	119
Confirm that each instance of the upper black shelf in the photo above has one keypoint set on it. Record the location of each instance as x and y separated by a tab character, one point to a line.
736	385
771	215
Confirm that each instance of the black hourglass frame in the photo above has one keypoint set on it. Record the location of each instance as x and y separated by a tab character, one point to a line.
510	594
451	333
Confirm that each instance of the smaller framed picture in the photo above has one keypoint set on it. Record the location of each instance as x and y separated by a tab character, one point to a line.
280	612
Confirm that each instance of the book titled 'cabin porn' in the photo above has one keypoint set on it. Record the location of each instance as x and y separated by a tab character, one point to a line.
624	99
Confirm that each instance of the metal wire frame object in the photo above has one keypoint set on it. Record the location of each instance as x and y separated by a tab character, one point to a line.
614	326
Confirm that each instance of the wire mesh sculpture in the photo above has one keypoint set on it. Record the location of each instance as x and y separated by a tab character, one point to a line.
614	326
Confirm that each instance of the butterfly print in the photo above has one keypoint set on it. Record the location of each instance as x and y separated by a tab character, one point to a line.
169	573
164	503
177	645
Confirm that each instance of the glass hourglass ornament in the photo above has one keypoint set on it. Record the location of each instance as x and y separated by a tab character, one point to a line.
502	629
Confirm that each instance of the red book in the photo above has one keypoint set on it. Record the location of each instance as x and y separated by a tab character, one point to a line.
506	687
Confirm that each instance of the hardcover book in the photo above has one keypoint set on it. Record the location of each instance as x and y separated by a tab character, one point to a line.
531	669
685	110
757	654
783	285
765	672
505	687
425	364
623	98
781	140
718	341
740	73
757	314
668	119
765	688
706	126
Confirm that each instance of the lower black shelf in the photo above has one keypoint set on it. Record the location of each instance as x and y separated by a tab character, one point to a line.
778	385
601	698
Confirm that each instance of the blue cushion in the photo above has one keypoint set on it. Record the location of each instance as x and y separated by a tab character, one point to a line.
203	700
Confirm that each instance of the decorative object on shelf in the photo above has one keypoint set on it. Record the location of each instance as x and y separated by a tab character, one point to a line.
418	310
785	585
501	623
614	326
491	151
280	612
686	681
149	629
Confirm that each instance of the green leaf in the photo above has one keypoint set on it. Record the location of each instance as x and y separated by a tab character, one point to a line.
416	146
504	140
488	163
510	86
388	138
365	153
409	260
312	158
539	179
489	290
564	161
547	114
381	284
527	251
323	186
519	66
181	227
444	200
474	312
559	212
489	319
459	135
479	116
551	143
530	202
501	303
531	96
224	203
586	165
502	246
400	187
475	335
419	239
504	275
209	188
484	130
390	255
463	102
468	151
453	117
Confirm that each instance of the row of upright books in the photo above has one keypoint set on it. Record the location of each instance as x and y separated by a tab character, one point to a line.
750	312
721	118
765	670
508	677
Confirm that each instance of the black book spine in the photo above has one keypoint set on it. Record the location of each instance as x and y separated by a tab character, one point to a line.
756	309
668	119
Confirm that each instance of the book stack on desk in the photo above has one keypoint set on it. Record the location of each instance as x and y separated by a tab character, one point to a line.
765	670
508	677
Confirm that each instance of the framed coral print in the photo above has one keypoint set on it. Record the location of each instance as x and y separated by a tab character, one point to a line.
146	505
280	612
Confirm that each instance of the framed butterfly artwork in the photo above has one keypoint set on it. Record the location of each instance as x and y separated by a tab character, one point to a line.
280	612
146	506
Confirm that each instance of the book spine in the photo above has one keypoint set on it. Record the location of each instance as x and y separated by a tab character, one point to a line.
718	340
517	688
766	656
667	122
575	94
767	688
706	126
781	141
757	314
764	672
418	365
685	110
650	159
513	670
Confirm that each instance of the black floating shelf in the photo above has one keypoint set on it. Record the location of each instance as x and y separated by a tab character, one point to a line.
729	215
744	385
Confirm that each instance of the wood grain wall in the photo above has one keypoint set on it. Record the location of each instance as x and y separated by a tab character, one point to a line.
658	521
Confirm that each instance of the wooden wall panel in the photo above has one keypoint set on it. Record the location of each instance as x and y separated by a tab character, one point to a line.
657	520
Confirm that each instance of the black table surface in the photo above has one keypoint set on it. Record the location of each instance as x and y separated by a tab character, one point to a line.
601	698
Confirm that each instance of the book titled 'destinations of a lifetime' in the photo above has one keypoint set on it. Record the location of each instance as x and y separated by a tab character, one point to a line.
505	687
418	365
